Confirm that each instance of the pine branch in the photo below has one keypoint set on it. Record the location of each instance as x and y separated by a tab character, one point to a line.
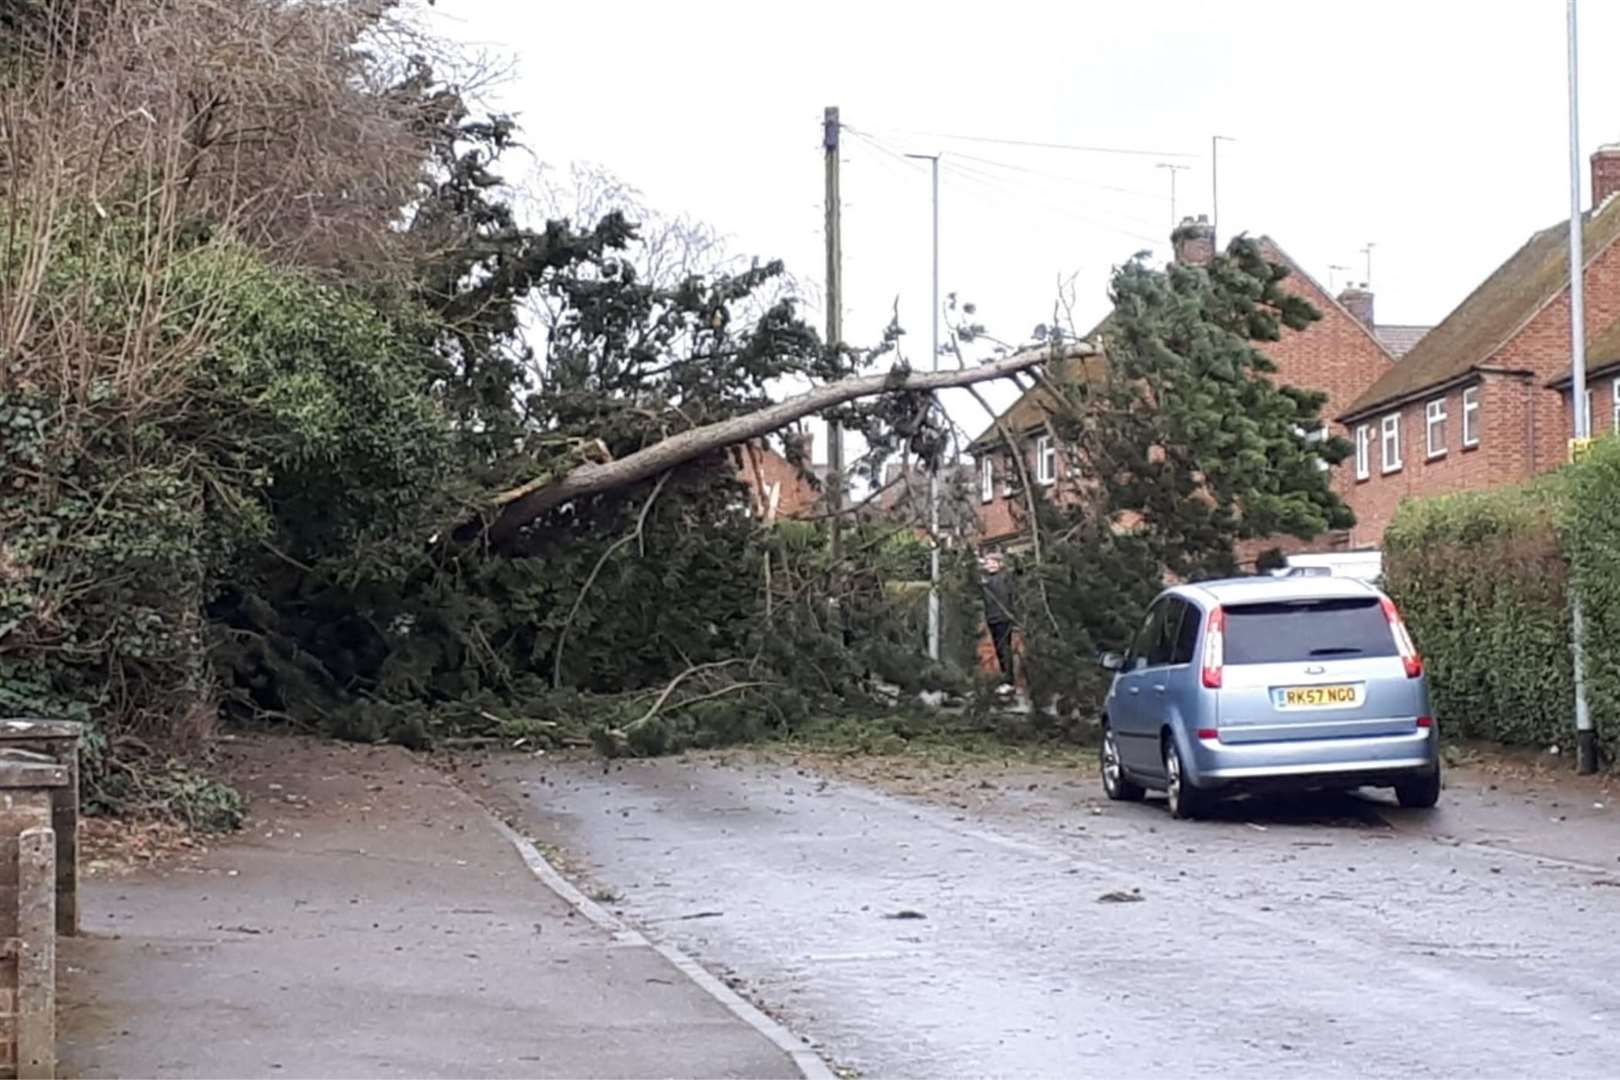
635	534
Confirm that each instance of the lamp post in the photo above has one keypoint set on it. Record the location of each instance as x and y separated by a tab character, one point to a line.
933	476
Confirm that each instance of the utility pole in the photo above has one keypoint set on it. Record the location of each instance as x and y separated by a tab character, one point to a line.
1215	187
835	322
933	475
1367	251
1174	221
1585	736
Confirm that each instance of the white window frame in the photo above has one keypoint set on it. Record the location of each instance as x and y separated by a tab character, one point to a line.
1470	416
987	478
1435	416
1389	435
1045	460
1363	451
1588	407
1614	406
1315	437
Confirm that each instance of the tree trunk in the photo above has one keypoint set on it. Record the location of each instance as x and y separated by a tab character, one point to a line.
519	508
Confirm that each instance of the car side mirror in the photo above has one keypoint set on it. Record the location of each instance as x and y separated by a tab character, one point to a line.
1111	661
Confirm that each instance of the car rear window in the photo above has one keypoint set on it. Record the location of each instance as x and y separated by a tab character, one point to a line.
1341	629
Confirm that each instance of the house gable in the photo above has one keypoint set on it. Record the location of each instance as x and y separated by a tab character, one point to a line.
1339	355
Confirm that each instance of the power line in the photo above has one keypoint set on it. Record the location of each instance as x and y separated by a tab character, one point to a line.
911	166
1134	192
1131	151
1001	184
996	184
994	192
887	166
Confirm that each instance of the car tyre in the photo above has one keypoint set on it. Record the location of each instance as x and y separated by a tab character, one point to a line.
1419	793
1116	784
1187	801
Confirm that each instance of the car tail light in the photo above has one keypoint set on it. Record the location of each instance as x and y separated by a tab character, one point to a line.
1208	733
1214	648
1425	721
1403	640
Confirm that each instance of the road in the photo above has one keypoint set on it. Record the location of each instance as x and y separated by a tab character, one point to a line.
1007	920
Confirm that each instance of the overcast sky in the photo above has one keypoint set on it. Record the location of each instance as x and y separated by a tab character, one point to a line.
1436	130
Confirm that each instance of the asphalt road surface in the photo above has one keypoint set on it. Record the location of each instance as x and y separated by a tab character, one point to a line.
1008	921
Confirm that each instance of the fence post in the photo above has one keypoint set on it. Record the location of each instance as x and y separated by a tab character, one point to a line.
36	953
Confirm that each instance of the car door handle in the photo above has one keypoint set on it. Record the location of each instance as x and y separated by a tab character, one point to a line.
1160	689
1136	689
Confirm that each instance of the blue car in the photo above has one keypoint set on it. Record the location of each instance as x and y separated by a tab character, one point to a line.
1307	682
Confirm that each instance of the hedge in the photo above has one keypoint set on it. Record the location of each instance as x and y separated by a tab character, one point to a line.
1483	580
1592	539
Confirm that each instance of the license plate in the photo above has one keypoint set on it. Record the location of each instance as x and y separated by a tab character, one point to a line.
1318	697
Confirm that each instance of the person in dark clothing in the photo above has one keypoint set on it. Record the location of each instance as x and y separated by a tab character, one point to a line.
998	612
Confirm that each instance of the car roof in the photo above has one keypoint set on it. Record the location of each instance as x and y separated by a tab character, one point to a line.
1262	590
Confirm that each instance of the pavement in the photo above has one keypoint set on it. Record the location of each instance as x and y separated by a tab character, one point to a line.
1003	920
374	921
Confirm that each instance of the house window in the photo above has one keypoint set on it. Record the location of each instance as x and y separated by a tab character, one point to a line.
1392	442
1614	406
1434	426
1470	402
1586	413
1315	438
1045	460
987	480
1363	451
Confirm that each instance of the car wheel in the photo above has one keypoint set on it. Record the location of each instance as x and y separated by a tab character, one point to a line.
1419	793
1116	785
1186	800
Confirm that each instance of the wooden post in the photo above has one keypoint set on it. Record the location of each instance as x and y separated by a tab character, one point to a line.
830	128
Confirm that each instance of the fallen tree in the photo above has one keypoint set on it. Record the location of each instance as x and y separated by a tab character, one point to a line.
519	506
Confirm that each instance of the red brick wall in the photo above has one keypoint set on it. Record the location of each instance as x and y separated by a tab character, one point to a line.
999	517
761	467
1524	426
1339	357
1501	456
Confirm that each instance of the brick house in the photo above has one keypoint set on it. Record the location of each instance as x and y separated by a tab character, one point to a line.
777	488
1341	355
1484	398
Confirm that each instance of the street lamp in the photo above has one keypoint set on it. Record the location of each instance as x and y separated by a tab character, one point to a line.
933	475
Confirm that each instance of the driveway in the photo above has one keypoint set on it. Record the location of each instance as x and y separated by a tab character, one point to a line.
1005	920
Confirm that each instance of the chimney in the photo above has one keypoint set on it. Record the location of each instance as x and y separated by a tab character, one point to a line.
1605	173
1193	241
1358	300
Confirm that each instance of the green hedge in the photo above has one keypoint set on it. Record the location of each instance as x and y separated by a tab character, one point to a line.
1483	580
1592	539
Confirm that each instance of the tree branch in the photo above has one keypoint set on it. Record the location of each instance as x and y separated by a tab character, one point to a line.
595	478
673	683
635	534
